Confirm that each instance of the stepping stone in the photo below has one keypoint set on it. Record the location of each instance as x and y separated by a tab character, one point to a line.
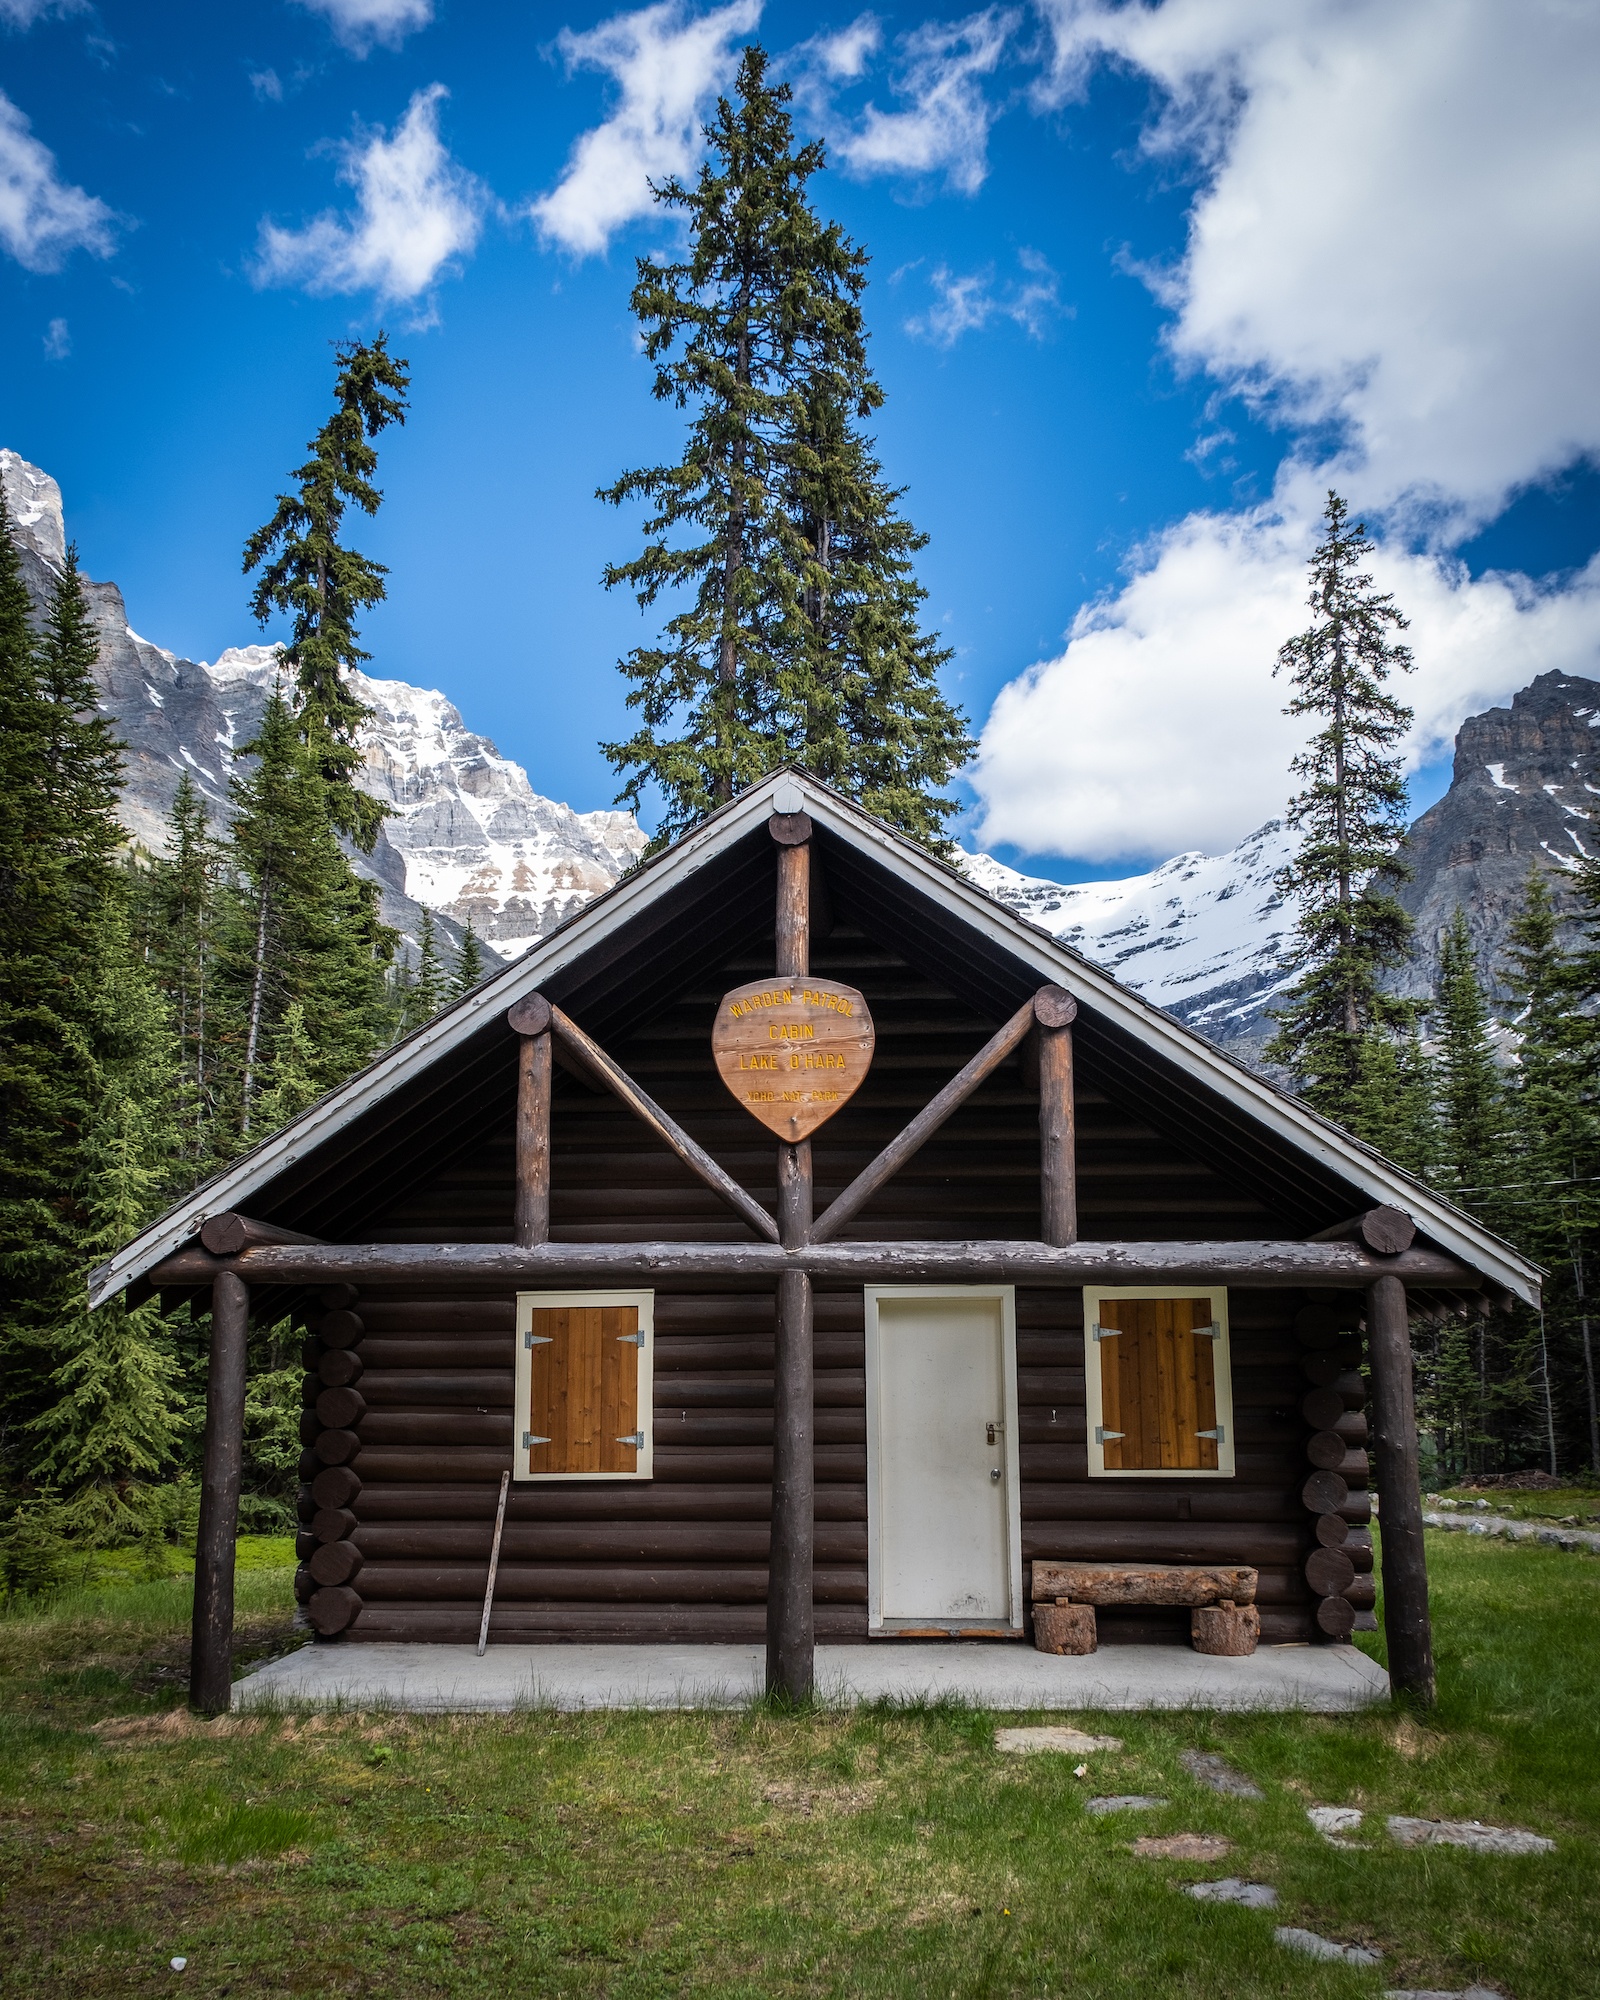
1127	1802
1183	1847
1218	1775
1072	1742
1253	1895
1438	1993
1321	1947
1332	1822
1467	1833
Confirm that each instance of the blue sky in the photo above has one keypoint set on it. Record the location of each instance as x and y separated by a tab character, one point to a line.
1145	281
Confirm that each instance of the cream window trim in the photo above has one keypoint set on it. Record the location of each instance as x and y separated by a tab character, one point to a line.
1222	1363
530	1302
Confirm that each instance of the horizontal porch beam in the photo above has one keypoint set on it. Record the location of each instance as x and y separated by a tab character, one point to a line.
1256	1264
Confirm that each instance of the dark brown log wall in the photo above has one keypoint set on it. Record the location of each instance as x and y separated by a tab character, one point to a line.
683	1556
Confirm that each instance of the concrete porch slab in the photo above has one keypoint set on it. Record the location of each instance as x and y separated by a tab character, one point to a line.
445	1679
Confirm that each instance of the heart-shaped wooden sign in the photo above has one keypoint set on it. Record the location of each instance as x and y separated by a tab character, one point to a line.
793	1051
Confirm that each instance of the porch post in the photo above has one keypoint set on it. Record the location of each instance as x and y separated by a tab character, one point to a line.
1055	1010
530	1021
1405	1568
211	1650
791	1625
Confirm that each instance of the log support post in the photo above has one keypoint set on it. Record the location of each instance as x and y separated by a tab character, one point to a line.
1405	1568
530	1021
211	1652
1055	1010
791	1623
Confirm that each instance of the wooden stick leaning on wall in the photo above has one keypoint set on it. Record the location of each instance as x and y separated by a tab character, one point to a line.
494	1563
844	1206
666	1128
791	1620
211	1648
529	1019
1405	1566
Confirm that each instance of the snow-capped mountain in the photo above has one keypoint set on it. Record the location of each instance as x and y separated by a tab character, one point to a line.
470	837
1203	936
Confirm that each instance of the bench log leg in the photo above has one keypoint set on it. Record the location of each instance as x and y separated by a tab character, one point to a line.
1064	1628
1232	1630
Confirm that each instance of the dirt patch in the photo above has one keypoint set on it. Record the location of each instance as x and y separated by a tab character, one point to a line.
176	1725
821	1801
1183	1847
1412	1741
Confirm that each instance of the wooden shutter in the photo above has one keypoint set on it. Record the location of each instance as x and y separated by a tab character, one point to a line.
581	1414
1158	1385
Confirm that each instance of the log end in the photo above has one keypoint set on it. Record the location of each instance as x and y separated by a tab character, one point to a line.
1054	1007
1065	1628
1230	1631
791	829
341	1328
1336	1616
1388	1231
337	1447
335	1563
223	1235
336	1609
530	1015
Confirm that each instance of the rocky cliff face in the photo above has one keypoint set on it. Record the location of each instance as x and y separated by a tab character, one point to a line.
469	835
1207	937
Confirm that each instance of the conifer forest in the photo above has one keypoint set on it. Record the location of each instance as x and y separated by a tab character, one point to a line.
163	1012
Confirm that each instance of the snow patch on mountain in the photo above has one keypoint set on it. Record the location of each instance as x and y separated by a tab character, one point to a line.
1205	936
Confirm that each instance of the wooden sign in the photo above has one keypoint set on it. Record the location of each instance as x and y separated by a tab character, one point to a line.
793	1051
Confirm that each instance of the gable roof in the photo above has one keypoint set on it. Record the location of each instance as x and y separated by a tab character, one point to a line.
715	882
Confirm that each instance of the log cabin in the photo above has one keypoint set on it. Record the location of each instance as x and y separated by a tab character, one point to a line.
797	1243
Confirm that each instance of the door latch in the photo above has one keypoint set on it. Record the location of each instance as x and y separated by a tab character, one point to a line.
989	1432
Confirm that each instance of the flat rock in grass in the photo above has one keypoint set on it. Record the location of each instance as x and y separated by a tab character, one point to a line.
1334	1822
1470	1833
1218	1775
1252	1895
1320	1947
1439	1993
1123	1802
1182	1847
1069	1742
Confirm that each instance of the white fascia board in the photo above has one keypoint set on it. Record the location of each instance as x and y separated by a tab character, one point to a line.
1284	1115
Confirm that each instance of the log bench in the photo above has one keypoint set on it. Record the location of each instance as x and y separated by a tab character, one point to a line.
1222	1613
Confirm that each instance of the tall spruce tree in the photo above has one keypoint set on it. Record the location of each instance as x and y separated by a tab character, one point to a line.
759	332
1391	1104
177	903
469	964
1474	1117
304	931
308	573
1555	1206
1351	815
59	779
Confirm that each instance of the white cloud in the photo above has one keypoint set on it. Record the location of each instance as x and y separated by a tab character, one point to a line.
943	65
267	85
23	13
43	218
57	340
668	64
416	210
361	24
843	57
1399	227
1159	727
967	304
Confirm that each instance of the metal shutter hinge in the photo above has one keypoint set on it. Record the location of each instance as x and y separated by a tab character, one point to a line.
1105	1332
1103	1436
631	1339
529	1440
538	1340
1211	1332
1220	1434
635	1438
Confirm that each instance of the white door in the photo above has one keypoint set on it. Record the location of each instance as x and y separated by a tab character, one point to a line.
943	1513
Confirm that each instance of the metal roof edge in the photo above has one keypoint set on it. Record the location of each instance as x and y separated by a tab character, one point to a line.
1255	1095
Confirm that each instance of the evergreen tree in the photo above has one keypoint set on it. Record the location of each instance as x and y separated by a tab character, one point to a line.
178	899
309	574
759	331
1554	1212
430	971
59	775
304	930
1474	1125
1351	814
1391	1105
469	964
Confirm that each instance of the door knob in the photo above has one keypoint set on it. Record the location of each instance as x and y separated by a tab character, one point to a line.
994	1474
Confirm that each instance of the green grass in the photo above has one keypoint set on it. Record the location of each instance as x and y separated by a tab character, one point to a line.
881	1853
